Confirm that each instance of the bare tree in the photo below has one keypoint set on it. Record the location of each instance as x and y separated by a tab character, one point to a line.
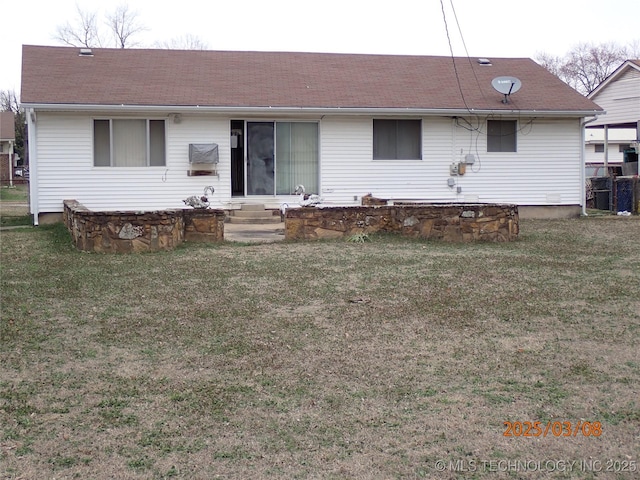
82	32
123	24
634	49
587	64
185	42
9	102
551	63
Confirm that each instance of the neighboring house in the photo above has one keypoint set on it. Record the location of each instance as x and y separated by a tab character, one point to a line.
617	131
619	141
7	142
116	128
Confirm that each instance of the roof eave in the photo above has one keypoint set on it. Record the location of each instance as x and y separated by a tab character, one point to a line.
611	78
308	110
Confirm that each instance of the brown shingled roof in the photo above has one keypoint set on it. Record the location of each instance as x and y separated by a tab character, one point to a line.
59	75
7	126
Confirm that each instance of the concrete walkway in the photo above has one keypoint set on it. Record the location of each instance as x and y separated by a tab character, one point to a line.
254	233
11	208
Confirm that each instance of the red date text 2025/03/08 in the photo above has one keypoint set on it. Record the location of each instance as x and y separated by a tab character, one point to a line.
556	429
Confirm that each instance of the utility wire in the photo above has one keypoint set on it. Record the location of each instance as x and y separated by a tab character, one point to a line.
464	44
453	59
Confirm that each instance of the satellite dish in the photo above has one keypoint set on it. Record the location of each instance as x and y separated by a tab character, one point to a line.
506	86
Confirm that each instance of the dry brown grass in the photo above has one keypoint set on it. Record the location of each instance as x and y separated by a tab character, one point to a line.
321	360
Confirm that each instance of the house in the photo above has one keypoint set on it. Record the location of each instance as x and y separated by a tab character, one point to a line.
144	129
7	142
619	142
617	131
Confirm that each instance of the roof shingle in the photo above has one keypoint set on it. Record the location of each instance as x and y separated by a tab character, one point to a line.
146	77
7	126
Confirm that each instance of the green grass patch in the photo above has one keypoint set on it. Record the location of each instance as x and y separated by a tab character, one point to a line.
15	221
18	193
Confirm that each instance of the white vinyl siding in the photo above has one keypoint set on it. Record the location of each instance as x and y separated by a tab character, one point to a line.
620	99
348	169
66	171
545	170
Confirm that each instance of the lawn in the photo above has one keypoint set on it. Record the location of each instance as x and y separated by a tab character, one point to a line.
392	358
17	193
14	208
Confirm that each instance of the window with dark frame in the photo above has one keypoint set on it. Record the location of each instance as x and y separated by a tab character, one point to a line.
129	143
501	136
599	148
623	146
397	139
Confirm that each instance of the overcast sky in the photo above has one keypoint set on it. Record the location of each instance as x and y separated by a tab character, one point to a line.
490	28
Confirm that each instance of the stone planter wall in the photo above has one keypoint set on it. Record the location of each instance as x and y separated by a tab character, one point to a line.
128	231
203	225
451	222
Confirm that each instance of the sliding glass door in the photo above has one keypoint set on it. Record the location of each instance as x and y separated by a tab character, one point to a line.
260	158
280	156
296	157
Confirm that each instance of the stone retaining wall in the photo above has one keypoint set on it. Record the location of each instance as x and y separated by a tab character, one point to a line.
447	222
128	231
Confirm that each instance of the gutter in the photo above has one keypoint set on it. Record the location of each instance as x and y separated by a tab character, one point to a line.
33	164
11	157
307	110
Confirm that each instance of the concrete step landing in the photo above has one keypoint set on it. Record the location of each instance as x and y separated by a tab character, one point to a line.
253	214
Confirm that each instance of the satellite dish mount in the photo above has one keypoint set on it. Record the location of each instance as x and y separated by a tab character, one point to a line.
506	86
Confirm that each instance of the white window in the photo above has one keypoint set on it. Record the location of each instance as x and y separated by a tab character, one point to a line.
128	143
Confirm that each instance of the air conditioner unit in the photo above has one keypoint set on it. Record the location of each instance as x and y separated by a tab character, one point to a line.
203	159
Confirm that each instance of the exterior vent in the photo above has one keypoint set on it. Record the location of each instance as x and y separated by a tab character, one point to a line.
86	52
484	61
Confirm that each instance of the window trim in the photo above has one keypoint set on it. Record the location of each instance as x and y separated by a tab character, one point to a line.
148	146
397	120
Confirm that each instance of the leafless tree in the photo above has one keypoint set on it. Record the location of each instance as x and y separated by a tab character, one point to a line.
81	32
185	42
9	102
587	65
123	24
550	62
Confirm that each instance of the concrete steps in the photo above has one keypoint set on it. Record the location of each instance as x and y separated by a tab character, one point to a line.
254	214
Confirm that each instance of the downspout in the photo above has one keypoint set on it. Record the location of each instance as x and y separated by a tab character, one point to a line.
11	163
583	166
606	150
33	164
